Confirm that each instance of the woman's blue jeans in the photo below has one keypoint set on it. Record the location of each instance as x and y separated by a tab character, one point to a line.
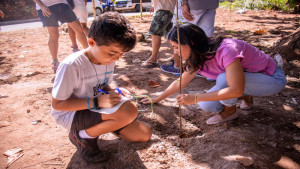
256	84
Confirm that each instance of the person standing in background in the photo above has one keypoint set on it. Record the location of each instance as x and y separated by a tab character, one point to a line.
80	10
198	12
52	11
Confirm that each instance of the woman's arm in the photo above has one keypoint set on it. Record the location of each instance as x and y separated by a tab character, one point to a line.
173	88
235	78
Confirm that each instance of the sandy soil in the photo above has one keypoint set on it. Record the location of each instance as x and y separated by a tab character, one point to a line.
267	136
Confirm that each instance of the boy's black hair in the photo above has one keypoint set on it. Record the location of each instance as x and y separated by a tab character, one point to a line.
112	27
202	47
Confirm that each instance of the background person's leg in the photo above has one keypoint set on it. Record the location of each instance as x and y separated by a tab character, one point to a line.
75	25
207	22
53	46
72	36
85	29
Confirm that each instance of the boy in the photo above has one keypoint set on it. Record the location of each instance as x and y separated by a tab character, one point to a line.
77	103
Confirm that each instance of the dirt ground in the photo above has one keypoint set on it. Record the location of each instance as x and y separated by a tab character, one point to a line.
267	136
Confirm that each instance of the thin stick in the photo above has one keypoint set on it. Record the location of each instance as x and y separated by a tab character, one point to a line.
94	9
141	9
180	67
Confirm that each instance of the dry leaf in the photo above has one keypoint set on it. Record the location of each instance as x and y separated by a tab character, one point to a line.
153	84
260	32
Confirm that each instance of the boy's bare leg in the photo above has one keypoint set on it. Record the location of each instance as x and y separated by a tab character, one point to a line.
75	25
156	41
125	115
85	29
72	36
53	41
136	132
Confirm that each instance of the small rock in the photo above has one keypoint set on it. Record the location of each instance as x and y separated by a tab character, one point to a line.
35	122
136	61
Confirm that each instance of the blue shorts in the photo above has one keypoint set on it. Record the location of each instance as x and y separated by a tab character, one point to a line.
60	12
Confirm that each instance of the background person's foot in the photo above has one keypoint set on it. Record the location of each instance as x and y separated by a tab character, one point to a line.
54	64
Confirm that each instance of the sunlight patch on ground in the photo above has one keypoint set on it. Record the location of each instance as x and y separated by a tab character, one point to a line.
287	163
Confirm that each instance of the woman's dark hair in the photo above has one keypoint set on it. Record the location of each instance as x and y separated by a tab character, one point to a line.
202	47
111	27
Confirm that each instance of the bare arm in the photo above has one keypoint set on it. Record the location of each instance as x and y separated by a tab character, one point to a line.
45	10
73	104
236	83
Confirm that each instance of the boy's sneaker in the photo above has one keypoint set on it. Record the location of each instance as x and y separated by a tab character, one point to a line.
87	148
54	64
170	69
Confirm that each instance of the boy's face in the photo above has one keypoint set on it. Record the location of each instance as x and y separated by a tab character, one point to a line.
105	55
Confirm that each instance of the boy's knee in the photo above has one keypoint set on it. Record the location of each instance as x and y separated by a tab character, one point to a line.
147	136
129	111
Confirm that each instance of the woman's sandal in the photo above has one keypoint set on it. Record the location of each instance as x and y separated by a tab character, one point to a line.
247	102
217	119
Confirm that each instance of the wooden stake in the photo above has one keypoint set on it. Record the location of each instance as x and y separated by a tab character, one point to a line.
180	67
94	9
141	9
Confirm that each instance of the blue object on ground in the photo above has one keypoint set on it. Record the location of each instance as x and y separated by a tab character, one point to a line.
170	69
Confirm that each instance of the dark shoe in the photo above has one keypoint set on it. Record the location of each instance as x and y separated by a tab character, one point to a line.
87	148
149	64
170	69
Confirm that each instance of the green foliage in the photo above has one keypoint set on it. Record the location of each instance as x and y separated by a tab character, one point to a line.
261	4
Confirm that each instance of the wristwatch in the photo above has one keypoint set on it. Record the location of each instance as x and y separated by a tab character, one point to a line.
183	2
95	103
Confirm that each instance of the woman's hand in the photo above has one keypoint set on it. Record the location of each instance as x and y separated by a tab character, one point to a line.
147	100
186	99
109	100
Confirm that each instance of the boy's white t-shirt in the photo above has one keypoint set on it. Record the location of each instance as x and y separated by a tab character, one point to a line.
77	77
51	2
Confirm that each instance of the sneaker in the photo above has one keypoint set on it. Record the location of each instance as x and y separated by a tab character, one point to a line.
54	64
87	148
170	69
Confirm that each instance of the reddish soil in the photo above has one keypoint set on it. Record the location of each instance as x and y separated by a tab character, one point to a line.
267	136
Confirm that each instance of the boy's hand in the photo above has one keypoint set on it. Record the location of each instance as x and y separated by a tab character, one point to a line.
125	92
109	100
185	99
147	101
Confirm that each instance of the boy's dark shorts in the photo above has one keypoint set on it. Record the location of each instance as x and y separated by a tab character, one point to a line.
85	119
60	12
161	23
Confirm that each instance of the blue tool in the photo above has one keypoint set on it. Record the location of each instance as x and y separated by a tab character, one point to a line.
102	91
119	91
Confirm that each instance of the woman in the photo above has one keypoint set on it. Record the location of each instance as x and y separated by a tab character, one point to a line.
240	70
